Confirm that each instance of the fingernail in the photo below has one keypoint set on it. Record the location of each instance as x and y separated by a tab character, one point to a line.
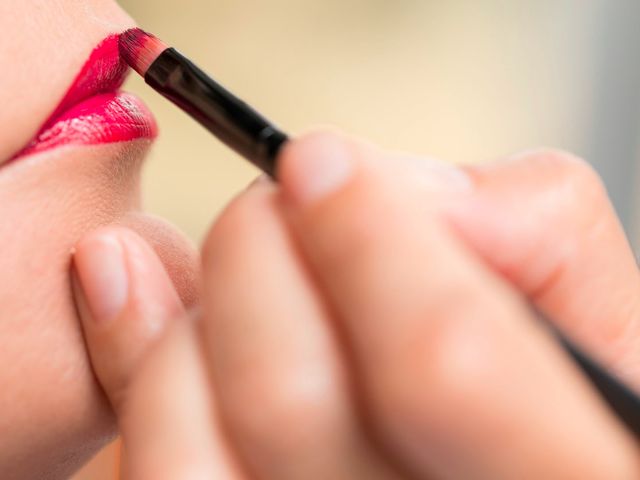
321	169
102	273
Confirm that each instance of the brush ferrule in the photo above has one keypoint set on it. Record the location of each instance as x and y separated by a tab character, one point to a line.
230	119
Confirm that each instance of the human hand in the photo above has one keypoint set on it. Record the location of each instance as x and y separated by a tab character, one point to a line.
368	319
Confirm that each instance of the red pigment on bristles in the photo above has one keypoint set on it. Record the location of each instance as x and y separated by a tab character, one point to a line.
140	49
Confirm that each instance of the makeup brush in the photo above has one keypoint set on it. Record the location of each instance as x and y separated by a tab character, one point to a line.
230	119
252	136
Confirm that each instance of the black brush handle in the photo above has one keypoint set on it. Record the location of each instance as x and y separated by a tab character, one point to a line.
230	119
624	402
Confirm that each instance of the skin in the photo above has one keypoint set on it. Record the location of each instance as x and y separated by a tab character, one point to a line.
54	413
387	332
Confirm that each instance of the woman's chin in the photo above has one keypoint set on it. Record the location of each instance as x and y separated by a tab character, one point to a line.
177	252
55	411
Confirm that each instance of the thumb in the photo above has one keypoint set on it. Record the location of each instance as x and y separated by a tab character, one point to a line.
544	221
125	300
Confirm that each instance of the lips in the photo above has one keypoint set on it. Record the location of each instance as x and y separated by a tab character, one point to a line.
94	111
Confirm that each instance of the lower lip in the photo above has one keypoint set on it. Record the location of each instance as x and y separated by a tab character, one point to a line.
106	118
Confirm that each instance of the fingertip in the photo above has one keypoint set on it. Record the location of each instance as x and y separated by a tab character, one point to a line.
124	299
118	270
152	292
316	165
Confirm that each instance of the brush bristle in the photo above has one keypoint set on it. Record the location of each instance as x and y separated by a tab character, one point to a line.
140	49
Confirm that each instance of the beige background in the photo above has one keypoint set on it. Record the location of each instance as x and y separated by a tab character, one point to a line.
464	81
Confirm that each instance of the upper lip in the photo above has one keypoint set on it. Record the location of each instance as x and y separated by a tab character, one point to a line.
105	71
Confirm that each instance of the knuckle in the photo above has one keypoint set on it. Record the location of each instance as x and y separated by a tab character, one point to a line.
572	174
292	413
575	196
453	374
459	358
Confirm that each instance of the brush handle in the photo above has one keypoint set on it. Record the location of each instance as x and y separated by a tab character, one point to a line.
624	402
226	116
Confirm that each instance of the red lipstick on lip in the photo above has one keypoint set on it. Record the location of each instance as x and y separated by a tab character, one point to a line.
93	111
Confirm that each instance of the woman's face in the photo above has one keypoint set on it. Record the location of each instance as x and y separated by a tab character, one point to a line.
54	415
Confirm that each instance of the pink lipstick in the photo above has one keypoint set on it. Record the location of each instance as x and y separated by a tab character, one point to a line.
94	111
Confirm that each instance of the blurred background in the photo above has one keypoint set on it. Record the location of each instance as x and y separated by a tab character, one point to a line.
465	81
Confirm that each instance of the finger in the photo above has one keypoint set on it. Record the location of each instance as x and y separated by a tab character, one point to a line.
280	381
169	427
125	300
127	303
543	219
451	365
